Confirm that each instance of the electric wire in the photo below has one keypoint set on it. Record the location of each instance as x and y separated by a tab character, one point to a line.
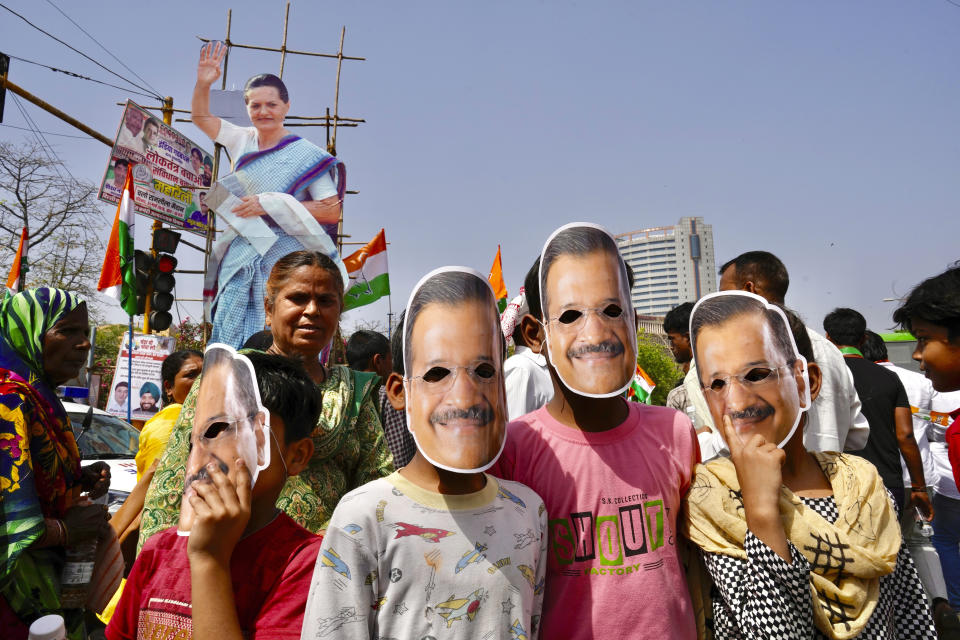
137	75
80	76
72	48
50	133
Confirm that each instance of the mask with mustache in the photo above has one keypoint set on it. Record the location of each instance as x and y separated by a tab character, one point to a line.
603	378
458	423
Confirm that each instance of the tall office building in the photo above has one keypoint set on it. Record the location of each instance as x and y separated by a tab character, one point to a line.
670	264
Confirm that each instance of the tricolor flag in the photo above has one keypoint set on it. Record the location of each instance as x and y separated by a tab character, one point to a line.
117	278
367	268
14	283
496	281
641	387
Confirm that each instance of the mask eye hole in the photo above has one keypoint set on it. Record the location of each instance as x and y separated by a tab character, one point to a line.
717	385
436	374
215	429
569	316
613	311
485	371
758	374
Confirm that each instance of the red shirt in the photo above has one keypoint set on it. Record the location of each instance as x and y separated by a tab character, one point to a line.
953	445
271	571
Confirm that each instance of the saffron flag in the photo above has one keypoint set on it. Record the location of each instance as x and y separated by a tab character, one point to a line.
496	281
117	278
641	387
367	268
14	282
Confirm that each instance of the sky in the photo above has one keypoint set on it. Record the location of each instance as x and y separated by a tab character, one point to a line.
824	132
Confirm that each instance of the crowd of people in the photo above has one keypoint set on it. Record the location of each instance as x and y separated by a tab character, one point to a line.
796	485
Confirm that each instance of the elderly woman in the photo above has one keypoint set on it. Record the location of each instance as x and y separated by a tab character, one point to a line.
303	305
296	186
798	544
43	343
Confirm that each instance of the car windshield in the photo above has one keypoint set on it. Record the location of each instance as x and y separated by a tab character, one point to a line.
107	437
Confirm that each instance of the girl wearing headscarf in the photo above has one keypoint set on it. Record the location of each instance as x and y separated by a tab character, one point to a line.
43	343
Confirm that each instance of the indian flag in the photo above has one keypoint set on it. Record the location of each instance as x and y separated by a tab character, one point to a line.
641	387
496	281
367	268
117	278
15	281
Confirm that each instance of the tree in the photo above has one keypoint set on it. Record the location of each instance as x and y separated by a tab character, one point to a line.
63	220
655	358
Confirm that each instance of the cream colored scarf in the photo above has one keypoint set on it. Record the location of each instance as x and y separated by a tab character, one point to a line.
847	557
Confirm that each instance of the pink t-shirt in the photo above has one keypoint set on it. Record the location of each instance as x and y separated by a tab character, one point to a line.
612	504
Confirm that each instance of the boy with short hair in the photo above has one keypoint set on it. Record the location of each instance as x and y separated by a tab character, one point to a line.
439	549
245	568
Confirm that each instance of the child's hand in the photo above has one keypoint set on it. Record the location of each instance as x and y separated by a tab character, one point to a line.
222	510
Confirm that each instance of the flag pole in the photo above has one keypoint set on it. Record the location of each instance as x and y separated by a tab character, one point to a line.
130	369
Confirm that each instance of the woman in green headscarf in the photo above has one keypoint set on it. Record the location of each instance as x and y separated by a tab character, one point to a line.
43	343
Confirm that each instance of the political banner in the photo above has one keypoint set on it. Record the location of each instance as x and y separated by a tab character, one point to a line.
171	173
145	385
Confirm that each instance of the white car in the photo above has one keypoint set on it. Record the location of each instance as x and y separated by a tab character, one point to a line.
112	440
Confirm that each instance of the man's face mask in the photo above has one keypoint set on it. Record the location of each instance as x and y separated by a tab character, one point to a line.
455	400
230	422
749	366
588	314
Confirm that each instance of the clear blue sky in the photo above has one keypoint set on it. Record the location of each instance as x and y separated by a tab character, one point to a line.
824	132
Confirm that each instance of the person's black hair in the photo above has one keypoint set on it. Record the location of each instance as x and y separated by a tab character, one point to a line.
288	392
208	162
801	337
153	121
450	288
762	267
677	319
266	80
845	326
518	339
874	348
197	151
121	161
531	287
580	241
718	310
171	367
363	345
122	383
396	344
261	340
935	300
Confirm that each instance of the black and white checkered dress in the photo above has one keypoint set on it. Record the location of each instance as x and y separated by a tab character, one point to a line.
764	597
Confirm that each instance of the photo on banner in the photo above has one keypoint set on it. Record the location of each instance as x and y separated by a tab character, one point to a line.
230	422
453	360
141	379
588	316
749	366
171	173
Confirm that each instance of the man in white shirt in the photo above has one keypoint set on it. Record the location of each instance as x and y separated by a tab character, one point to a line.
835	422
526	377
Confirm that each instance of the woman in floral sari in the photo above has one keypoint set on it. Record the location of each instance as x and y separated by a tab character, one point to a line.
43	343
303	305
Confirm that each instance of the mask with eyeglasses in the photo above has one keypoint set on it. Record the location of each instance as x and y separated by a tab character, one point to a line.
570	344
716	310
456	410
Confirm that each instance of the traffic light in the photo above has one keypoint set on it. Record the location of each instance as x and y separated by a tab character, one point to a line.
143	264
162	299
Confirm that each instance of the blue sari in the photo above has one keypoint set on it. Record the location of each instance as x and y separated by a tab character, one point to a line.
237	285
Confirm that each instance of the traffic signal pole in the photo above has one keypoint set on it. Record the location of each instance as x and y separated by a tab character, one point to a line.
168	120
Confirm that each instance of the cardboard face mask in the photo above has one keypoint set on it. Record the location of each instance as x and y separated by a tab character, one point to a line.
453	359
588	315
749	366
230	422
